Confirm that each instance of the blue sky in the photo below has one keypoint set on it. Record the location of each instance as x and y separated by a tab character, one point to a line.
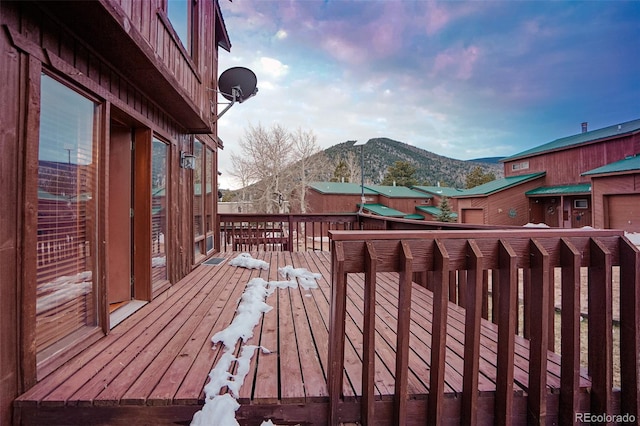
461	79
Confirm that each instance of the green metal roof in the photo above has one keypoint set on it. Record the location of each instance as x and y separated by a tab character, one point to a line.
382	210
415	216
343	188
499	184
581	138
397	191
433	210
438	190
584	188
628	164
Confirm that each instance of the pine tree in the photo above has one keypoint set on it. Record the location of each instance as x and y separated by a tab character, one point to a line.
341	172
477	177
402	173
446	214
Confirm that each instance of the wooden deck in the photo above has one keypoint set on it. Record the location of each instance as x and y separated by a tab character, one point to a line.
152	367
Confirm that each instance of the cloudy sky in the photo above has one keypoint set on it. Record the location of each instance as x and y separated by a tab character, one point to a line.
461	79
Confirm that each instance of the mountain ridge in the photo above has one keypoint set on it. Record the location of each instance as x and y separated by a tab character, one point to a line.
431	168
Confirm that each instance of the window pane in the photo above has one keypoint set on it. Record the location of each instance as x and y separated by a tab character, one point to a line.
178	13
67	178
198	203
211	198
158	212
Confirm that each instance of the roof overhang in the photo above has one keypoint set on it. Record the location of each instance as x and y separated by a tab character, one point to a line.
555	191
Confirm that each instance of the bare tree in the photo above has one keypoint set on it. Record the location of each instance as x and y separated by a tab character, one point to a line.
354	166
275	167
310	165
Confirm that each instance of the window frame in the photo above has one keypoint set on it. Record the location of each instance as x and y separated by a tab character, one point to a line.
189	46
200	246
581	203
59	352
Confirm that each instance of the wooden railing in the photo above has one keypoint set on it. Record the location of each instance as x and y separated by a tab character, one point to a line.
507	258
302	232
285	232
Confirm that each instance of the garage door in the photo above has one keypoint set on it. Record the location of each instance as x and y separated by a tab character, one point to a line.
624	212
475	216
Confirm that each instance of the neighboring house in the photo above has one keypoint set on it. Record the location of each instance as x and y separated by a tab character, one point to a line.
403	199
561	195
345	197
337	197
499	202
438	193
433	212
615	193
101	100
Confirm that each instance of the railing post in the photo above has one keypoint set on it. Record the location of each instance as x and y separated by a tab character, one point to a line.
600	328
508	279
570	259
438	334
369	334
538	346
629	328
473	317
335	374
402	338
290	221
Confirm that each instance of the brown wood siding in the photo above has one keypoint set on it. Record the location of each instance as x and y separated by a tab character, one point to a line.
473	216
508	207
406	205
33	38
604	186
623	212
511	206
12	142
335	203
566	166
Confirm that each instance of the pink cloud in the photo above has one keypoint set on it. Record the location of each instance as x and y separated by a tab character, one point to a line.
456	61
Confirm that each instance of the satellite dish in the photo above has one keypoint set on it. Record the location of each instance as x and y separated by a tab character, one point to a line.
238	84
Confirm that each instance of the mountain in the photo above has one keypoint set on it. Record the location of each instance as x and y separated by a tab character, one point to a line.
431	169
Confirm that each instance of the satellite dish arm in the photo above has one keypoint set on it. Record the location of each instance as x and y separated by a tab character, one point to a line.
236	96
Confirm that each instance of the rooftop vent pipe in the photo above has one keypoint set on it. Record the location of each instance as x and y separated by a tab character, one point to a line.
584	127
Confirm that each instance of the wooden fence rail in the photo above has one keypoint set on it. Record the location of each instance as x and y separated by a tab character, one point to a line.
508	257
281	232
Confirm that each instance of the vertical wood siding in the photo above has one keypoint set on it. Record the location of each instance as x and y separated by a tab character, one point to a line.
32	40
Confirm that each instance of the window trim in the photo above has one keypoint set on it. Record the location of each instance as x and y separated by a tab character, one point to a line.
43	364
190	51
523	165
578	203
201	239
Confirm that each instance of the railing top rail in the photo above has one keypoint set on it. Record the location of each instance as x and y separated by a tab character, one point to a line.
472	234
286	215
422	245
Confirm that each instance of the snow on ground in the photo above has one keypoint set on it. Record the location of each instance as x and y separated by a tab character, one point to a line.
220	409
634	237
306	279
535	225
245	260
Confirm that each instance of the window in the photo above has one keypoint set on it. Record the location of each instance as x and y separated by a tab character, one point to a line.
181	14
158	213
67	224
198	204
520	166
581	203
204	199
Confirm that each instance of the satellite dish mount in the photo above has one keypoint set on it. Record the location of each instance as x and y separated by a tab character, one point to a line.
237	85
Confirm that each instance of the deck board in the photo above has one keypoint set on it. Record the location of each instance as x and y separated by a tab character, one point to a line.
160	357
